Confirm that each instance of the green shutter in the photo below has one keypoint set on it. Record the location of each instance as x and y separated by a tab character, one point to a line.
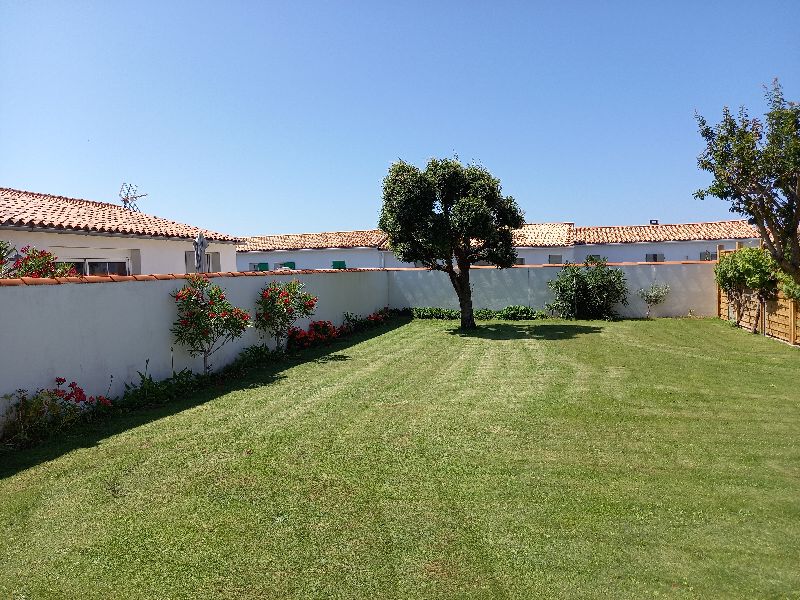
339	264
263	266
289	265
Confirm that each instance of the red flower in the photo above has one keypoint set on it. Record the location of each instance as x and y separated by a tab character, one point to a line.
60	380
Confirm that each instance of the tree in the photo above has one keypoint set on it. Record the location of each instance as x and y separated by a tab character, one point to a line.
448	217
744	274
206	319
654	295
756	167
279	305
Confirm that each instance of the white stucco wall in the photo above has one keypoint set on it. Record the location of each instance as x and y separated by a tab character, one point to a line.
693	289
157	255
672	251
89	332
355	258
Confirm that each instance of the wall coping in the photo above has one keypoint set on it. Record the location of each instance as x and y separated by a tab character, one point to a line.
18	281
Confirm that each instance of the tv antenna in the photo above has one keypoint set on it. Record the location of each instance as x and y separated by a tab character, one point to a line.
128	195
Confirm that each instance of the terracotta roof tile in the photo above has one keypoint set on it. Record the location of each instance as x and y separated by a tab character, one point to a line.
29	209
368	238
621	234
531	234
542	235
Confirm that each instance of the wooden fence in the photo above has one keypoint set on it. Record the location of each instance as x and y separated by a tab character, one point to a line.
778	318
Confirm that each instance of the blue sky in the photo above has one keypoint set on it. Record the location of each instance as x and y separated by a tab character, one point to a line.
255	117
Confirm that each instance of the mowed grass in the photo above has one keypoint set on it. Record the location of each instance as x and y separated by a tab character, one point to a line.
531	460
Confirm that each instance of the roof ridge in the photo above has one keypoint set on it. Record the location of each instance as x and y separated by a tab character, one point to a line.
269	235
65	198
661	224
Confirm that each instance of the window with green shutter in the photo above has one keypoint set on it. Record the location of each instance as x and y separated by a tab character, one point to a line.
263	266
339	264
289	265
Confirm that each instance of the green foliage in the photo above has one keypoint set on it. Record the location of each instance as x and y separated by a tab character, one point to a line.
747	269
787	285
588	291
39	263
509	313
7	252
519	313
449	217
206	319
756	168
279	305
431	312
654	295
33	417
485	314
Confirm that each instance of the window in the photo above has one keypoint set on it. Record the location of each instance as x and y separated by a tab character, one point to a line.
259	267
708	255
519	261
592	257
653	258
107	267
555	259
212	262
289	264
338	264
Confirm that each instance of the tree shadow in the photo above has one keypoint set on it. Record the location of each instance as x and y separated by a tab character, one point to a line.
86	435
519	331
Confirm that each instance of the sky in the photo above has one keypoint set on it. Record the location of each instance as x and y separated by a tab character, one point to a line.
257	117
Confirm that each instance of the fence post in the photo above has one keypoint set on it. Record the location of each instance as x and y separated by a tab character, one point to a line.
792	321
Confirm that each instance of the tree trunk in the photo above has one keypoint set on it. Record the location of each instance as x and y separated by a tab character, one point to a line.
460	281
205	363
758	316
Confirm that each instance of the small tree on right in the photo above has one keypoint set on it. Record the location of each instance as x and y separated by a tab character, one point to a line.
756	168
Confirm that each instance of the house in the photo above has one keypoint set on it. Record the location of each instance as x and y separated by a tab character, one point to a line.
369	248
100	238
536	244
660	243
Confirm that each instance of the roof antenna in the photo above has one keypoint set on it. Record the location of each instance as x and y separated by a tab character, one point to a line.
128	195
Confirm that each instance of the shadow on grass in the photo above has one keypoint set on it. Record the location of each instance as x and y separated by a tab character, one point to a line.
518	331
89	434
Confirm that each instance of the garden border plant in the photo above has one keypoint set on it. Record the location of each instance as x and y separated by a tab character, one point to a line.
206	319
588	291
279	306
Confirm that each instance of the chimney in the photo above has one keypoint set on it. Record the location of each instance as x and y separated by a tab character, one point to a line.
653	221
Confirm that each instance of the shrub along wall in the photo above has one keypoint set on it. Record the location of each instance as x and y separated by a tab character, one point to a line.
91	332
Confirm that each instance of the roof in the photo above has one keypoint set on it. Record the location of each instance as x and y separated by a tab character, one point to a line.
20	208
530	234
366	238
539	235
622	234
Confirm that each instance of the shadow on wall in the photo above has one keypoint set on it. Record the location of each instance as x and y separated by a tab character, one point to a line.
513	331
91	434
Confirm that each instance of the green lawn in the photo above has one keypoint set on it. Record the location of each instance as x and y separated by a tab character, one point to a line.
542	459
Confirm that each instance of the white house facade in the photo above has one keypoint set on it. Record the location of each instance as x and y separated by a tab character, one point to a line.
100	238
536	244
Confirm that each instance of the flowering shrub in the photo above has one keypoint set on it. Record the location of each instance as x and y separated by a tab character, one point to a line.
279	305
31	417
40	263
354	323
206	320
318	333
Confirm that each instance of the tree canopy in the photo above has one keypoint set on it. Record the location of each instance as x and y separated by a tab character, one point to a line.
447	218
756	168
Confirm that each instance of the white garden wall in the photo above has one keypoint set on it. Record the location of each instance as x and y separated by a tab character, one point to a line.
692	285
90	332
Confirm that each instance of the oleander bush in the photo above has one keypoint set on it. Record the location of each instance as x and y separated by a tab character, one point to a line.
279	306
206	319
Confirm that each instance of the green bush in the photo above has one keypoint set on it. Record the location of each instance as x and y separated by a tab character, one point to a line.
431	312
654	295
517	312
588	291
485	314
